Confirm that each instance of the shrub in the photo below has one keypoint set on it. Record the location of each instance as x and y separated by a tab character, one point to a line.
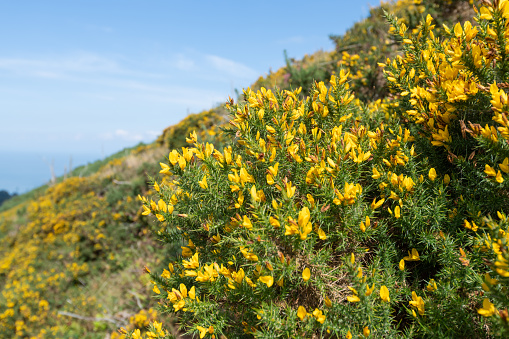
330	217
206	123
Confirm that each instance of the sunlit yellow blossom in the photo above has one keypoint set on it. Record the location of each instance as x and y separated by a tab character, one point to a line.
504	166
254	194
239	276
321	234
270	179
306	274
146	210
472	226
161	204
267	280
246	222
412	256
136	334
489	171
245	177
191	263
397	213
192	292
301	312
369	290
375	204
305	226
432	174
319	316
248	254
353	298
488	309
290	190
499	177
274	222
432	285
384	293
173	157
203	183
485	14
417	302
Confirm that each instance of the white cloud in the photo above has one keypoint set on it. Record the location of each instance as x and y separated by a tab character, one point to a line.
121	133
102	29
231	67
106	136
184	63
153	134
89	62
292	40
81	62
130	136
71	67
46	74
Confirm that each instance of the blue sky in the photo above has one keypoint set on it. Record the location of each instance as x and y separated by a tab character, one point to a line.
92	77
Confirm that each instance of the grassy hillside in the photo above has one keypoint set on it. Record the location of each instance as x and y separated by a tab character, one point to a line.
73	256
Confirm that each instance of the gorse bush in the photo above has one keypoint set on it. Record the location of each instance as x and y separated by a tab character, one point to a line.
206	124
332	217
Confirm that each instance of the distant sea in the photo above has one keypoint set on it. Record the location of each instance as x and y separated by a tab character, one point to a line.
21	172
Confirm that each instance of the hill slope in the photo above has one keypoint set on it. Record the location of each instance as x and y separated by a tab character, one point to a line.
72	255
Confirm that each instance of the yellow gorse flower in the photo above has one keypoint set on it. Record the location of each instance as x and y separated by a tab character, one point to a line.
384	293
488	309
306	274
305	226
412	256
417	302
203	183
369	290
432	174
353	298
301	312
267	280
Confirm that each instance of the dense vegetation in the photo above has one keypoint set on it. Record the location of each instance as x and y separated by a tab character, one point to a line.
354	193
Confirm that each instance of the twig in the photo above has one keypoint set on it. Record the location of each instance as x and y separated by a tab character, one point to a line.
77	316
138	301
115	181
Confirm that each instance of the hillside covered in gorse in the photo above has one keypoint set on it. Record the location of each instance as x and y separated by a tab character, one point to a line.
361	192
